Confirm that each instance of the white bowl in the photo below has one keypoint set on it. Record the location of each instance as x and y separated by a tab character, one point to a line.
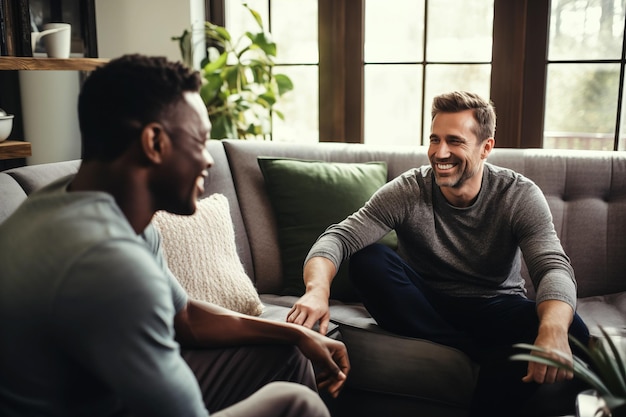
6	125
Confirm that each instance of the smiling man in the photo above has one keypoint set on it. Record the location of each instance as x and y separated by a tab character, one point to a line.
92	319
462	226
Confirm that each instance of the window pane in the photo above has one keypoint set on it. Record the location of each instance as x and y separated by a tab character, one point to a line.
239	20
591	29
581	106
445	78
299	106
294	29
394	32
459	31
393	96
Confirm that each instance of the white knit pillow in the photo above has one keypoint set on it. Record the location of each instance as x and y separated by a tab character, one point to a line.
201	252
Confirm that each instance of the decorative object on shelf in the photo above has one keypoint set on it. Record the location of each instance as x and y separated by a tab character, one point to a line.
240	88
606	372
58	39
6	125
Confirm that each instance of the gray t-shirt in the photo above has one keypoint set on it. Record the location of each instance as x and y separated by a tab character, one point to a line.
465	252
87	309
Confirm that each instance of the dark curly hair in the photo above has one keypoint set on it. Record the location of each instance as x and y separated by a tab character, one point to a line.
456	101
118	99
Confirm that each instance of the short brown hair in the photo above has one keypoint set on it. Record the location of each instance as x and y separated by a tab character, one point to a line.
456	101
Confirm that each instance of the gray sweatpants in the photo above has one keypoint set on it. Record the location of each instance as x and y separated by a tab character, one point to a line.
244	381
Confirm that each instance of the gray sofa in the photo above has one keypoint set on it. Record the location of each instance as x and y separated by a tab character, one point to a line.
398	376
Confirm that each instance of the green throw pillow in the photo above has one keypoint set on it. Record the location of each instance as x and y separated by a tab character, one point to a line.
309	196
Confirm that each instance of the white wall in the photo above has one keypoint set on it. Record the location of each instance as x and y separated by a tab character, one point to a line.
144	26
51	118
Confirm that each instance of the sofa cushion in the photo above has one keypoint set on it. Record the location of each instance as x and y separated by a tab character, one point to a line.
608	311
201	253
308	196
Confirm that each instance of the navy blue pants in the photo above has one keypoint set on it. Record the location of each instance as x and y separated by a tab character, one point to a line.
484	328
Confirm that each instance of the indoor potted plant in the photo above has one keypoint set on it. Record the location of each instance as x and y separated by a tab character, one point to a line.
606	372
240	88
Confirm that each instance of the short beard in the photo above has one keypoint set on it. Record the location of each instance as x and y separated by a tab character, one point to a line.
456	182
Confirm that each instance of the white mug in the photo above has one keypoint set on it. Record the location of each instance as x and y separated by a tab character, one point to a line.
57	39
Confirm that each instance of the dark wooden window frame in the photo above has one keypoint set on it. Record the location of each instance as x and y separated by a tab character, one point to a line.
518	77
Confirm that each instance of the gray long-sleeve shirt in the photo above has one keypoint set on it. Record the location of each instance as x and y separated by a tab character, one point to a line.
465	252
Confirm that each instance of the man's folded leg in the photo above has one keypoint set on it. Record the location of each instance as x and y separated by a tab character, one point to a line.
278	399
229	375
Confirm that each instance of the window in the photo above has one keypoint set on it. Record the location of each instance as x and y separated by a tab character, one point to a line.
554	69
293	25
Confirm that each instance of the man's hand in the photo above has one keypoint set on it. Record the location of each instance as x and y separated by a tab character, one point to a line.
313	305
310	309
555	318
330	359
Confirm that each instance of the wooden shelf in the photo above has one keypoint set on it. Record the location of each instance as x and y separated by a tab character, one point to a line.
70	64
10	149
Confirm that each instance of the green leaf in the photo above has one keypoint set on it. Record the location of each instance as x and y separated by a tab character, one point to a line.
252	129
255	14
211	88
231	75
284	83
216	32
269	99
278	113
223	128
216	65
223	32
263	40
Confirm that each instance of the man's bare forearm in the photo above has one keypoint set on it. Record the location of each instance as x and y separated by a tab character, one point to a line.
318	275
208	325
555	316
